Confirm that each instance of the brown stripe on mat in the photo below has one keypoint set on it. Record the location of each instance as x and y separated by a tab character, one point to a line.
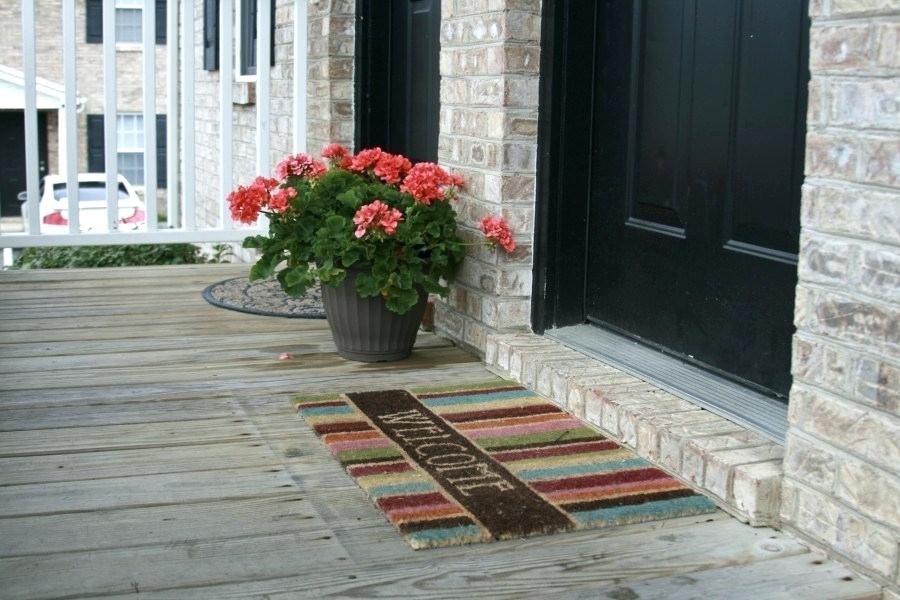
628	500
500	501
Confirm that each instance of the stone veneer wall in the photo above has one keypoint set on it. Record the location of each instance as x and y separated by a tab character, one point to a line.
490	58
841	487
329	99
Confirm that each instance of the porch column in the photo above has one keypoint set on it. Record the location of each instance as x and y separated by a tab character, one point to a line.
490	56
843	448
330	67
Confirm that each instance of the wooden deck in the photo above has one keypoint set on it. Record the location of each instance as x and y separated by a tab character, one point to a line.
147	448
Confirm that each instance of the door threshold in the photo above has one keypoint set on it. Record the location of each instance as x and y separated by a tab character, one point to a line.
737	403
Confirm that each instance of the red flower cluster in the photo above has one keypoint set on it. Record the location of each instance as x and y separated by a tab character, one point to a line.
365	160
376	214
497	232
428	182
337	155
390	168
245	202
299	165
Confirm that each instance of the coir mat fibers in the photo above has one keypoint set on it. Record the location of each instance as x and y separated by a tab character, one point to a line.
483	462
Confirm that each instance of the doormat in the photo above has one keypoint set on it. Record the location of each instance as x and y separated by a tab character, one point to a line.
264	297
484	462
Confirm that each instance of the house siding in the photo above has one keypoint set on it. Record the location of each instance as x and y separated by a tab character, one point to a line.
89	69
329	100
841	484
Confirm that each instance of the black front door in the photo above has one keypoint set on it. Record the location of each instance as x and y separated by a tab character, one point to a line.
690	173
12	159
398	87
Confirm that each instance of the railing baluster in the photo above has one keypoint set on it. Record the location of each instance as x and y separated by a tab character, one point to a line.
263	84
111	162
226	67
172	150
150	141
32	169
187	111
300	40
70	128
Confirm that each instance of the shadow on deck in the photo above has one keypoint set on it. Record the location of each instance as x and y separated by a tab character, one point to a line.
148	448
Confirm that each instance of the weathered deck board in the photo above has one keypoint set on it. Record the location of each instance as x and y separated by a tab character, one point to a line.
147	449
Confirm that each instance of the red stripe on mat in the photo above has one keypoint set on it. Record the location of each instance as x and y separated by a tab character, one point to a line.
413	500
563	450
586	481
341	427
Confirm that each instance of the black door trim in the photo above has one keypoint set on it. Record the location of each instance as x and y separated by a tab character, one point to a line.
563	143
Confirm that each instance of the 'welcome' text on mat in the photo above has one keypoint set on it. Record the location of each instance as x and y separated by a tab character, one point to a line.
492	461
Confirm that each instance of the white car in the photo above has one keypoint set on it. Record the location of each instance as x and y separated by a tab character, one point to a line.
54	205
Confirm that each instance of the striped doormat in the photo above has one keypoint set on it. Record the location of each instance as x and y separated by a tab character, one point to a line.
483	462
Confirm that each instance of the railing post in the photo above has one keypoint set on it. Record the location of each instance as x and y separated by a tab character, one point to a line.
71	123
110	120
300	41
172	133
187	105
32	173
226	68
149	102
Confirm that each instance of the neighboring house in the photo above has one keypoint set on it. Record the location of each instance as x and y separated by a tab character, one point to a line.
719	180
89	66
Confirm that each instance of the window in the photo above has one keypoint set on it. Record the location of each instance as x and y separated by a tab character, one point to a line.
129	147
129	27
246	50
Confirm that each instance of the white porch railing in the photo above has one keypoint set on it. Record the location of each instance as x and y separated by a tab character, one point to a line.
181	225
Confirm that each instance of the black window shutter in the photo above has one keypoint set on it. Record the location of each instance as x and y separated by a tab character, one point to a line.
248	36
95	144
161	151
94	21
211	35
160	21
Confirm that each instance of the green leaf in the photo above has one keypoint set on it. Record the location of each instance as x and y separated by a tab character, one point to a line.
367	286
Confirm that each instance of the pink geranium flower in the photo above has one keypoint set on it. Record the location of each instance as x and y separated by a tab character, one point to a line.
497	232
365	160
376	215
428	182
391	168
299	165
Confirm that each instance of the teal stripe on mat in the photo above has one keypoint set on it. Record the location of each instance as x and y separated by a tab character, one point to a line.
396	489
476	398
326	410
583	469
439	535
664	509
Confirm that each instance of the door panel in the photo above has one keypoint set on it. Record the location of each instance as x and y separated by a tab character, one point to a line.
12	161
398	92
697	164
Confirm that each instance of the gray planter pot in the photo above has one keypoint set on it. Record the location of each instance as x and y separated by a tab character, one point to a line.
364	329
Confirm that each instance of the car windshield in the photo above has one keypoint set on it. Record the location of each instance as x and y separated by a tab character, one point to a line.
88	191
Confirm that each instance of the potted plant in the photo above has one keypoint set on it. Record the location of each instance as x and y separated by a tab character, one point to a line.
378	232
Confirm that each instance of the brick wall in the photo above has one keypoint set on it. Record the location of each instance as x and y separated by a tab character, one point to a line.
490	58
206	112
329	100
841	486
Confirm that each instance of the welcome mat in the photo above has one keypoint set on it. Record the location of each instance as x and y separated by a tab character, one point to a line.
484	462
264	297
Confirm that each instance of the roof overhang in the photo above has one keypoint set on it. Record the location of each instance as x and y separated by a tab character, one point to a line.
50	95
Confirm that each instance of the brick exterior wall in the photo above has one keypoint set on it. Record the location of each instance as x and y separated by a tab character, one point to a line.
841	486
329	100
490	58
89	70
